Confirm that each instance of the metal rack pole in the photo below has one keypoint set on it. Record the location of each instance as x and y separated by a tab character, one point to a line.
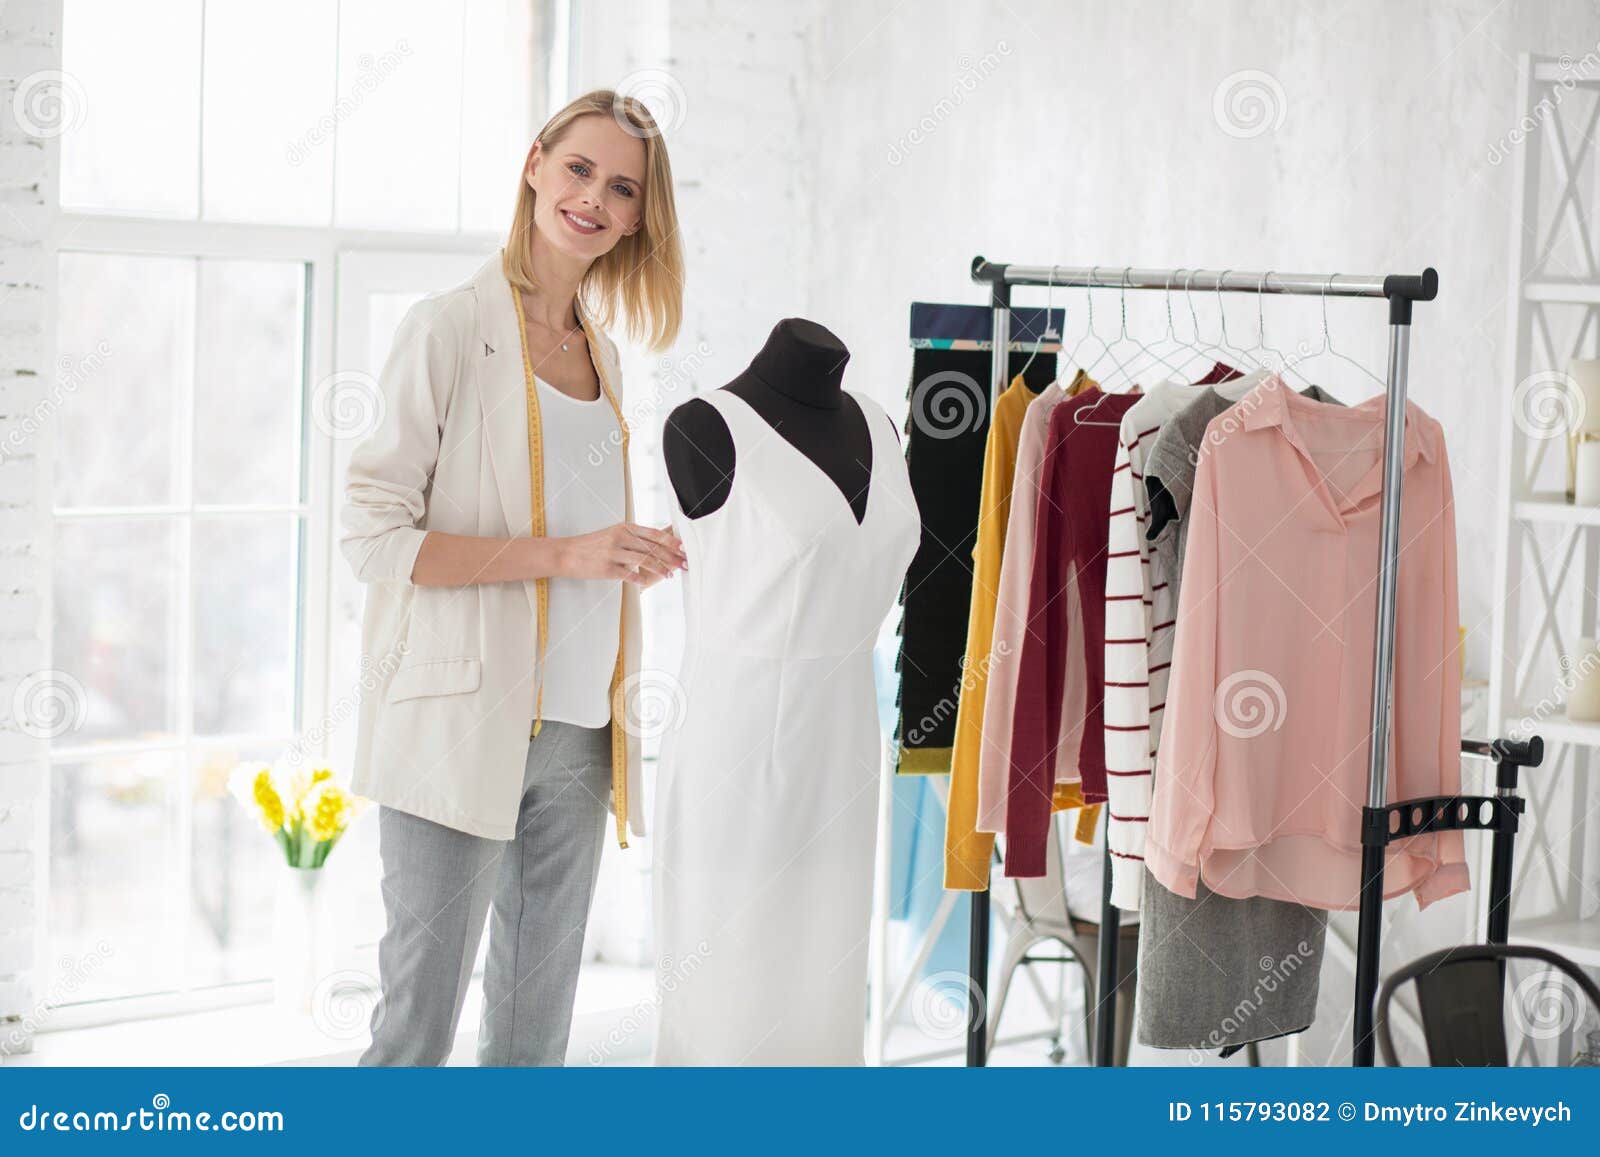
1401	290
1105	997
1373	854
978	917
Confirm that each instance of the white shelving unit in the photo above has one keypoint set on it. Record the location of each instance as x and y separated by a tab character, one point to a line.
1547	574
1578	940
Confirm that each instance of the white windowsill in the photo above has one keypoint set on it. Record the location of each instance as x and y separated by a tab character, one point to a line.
612	1024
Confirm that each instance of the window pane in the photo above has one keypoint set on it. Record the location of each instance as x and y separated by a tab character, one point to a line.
386	311
248	381
136	68
501	84
400	69
236	866
115	595
112	863
270	111
126	340
358	875
244	624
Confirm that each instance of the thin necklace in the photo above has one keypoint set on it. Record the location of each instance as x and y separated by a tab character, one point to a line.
566	338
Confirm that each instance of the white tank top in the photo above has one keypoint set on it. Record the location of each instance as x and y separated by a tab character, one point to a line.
583	492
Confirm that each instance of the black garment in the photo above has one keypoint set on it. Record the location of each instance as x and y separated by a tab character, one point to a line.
946	430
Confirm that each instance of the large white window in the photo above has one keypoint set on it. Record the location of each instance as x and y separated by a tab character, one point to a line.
251	196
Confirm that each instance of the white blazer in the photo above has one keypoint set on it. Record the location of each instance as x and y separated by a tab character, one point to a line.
447	686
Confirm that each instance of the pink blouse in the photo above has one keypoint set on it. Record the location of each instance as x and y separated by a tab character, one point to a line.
1262	770
1011	624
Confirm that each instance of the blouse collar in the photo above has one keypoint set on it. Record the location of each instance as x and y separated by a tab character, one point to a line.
1275	403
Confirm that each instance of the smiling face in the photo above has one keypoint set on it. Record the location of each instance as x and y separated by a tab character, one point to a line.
588	187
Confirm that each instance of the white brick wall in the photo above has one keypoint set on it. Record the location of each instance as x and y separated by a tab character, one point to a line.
708	73
29	46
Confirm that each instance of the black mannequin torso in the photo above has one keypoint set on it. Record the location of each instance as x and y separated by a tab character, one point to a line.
796	385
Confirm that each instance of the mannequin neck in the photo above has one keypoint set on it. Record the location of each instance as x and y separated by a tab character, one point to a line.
804	362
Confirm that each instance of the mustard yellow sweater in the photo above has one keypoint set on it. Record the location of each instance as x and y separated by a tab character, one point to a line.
967	851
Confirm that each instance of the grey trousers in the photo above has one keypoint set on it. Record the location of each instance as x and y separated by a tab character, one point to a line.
440	883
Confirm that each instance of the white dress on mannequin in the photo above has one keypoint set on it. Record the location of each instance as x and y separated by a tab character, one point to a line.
767	798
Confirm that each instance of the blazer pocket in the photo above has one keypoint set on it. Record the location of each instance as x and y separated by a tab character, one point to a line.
435	677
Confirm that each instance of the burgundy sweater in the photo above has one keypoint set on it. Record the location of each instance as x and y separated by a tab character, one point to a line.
1070	530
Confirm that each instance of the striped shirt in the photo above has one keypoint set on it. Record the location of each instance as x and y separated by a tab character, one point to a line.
1140	617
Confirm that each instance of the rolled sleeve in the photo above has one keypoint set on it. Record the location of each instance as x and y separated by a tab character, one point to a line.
391	470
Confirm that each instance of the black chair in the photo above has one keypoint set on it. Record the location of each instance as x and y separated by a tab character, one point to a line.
1461	995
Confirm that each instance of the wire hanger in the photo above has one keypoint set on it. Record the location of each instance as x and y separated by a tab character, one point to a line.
1084	415
1327	341
1122	336
1258	346
1193	351
1239	354
1044	333
1089	330
1285	365
1137	368
1205	348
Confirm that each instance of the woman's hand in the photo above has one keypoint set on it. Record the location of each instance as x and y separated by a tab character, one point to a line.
641	555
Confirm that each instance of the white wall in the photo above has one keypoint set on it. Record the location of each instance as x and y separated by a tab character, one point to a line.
1083	133
843	159
29	46
1094	140
1068	131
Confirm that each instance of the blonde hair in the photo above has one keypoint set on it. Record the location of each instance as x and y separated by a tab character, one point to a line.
642	276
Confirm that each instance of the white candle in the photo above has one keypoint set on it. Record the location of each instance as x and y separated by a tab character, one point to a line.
1586	474
1585	374
1583	701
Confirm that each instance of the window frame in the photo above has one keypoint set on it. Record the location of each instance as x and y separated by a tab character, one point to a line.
319	250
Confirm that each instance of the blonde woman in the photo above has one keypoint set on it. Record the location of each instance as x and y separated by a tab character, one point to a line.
490	515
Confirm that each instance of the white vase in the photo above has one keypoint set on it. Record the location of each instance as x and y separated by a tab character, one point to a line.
302	938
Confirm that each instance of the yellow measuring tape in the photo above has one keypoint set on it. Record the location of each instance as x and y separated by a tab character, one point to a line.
541	586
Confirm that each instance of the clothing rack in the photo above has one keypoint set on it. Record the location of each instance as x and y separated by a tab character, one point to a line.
1382	823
